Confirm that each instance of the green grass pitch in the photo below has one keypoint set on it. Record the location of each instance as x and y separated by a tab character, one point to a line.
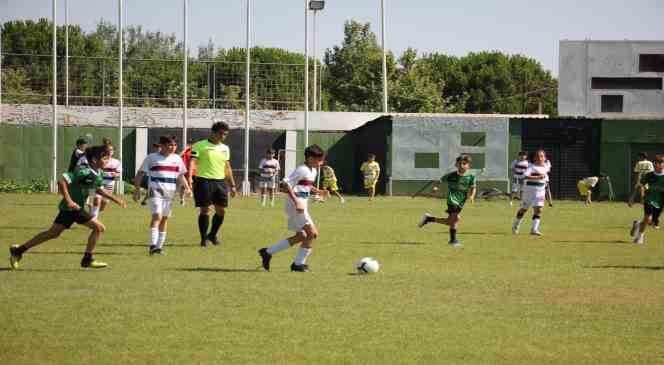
582	294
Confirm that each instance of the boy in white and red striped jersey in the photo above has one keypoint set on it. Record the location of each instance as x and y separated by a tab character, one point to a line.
110	172
165	170
298	187
519	167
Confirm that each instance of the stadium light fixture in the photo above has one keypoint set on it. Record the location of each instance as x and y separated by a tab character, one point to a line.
316	5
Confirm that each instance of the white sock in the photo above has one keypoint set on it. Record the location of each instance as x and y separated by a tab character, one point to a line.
272	200
154	236
517	222
263	199
162	239
279	246
302	254
536	224
94	212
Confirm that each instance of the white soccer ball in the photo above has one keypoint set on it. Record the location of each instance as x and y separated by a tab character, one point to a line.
368	265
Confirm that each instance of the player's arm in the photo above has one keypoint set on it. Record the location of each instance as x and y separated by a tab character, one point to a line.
182	180
63	187
137	185
111	197
230	179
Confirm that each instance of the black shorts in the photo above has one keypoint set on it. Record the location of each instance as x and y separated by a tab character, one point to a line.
210	191
69	217
453	209
651	210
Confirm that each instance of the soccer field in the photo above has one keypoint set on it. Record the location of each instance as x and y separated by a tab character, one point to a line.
582	294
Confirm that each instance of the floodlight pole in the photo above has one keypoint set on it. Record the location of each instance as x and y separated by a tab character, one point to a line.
185	61
246	187
120	184
66	53
382	36
54	176
306	73
315	61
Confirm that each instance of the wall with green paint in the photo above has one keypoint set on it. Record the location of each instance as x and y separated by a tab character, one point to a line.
340	154
621	141
409	187
25	152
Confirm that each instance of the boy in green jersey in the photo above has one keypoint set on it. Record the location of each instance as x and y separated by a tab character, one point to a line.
653	201
461	187
75	187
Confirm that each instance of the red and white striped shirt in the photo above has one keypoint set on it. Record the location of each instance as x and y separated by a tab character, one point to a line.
163	172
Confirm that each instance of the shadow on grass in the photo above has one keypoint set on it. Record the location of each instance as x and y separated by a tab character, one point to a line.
629	267
78	253
406	243
593	241
25	228
484	233
214	269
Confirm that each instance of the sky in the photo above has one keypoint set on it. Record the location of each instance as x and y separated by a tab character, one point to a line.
529	27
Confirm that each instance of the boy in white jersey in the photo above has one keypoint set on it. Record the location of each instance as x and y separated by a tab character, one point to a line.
534	193
519	167
298	186
165	170
269	173
110	173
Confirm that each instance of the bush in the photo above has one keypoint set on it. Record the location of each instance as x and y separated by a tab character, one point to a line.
32	186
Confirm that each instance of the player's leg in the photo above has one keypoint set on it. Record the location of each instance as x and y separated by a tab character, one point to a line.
203	201
519	217
272	192
96	229
537	217
96	204
267	252
655	218
16	252
220	201
453	220
263	194
300	262
648	212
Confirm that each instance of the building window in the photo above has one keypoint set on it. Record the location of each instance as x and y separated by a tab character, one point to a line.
627	83
474	139
612	103
478	161
651	63
427	161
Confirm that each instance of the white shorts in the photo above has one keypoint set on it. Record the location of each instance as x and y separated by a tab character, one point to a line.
533	198
161	206
297	221
517	185
267	183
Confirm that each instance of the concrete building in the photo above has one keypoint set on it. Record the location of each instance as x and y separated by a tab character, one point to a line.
611	79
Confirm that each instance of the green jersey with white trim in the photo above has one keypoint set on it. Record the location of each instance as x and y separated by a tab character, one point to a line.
458	187
80	184
654	194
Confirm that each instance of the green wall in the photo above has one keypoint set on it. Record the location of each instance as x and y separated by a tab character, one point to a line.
25	152
409	187
621	141
340	154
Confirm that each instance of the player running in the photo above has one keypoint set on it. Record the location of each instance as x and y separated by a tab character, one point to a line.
642	167
534	193
111	171
653	200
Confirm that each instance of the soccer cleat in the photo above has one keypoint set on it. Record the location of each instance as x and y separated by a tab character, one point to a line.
426	218
14	257
299	268
635	227
203	243
93	264
455	243
265	257
343	201
515	229
536	233
640	239
213	240
154	250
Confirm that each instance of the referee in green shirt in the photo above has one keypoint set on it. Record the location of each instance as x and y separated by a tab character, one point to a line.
210	158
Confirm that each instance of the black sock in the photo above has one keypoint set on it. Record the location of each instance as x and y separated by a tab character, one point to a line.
87	256
21	249
452	234
519	215
217	221
203	223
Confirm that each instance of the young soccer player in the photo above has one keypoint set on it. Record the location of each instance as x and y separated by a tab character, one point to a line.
298	186
77	153
156	148
534	193
371	171
642	167
585	187
269	173
461	187
75	188
330	181
165	171
519	166
653	200
110	173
